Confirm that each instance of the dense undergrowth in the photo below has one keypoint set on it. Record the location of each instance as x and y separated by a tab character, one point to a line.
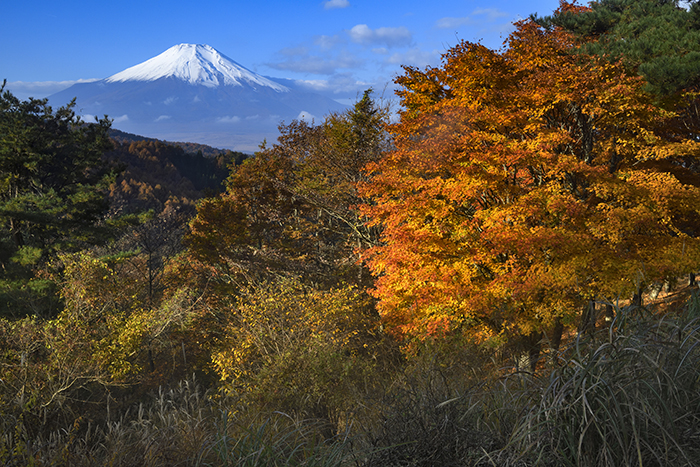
626	395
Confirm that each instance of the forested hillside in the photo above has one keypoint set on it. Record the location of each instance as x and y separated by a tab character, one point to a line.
503	276
155	173
189	148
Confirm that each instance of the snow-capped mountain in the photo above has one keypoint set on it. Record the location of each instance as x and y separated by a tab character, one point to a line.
197	65
194	93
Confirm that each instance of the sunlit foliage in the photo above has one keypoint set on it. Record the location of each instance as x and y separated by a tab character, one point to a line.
525	182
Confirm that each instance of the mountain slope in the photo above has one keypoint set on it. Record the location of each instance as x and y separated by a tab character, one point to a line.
194	93
194	64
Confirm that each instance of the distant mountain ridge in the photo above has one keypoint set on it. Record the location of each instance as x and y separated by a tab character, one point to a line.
189	148
194	93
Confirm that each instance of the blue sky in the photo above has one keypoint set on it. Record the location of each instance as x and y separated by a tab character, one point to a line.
338	47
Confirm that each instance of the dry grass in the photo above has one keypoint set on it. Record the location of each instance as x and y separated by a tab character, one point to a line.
628	395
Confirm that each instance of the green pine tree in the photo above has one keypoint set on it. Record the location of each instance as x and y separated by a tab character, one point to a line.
52	195
660	39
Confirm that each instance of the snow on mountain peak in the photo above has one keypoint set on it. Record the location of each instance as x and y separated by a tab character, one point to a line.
195	64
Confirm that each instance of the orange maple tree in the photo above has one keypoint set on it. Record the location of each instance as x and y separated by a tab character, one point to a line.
524	183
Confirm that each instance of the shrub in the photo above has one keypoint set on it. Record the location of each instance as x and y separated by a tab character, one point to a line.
300	350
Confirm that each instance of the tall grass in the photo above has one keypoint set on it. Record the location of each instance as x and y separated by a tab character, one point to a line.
183	427
279	440
626	396
442	409
630	397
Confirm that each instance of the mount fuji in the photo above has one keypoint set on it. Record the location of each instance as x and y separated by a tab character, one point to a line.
194	93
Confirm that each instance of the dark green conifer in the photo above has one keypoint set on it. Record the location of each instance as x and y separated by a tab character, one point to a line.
52	195
659	39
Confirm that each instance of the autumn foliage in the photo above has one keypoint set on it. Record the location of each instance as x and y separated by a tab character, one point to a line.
372	293
524	183
292	210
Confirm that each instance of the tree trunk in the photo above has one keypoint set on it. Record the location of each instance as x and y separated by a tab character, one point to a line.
609	312
16	233
588	318
637	298
533	345
557	332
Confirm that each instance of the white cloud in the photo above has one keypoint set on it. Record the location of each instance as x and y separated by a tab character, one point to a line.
415	57
122	119
477	17
333	4
344	88
391	37
314	84
170	100
294	51
163	117
454	23
305	62
491	14
306	116
228	119
342	83
309	64
327	42
39	89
